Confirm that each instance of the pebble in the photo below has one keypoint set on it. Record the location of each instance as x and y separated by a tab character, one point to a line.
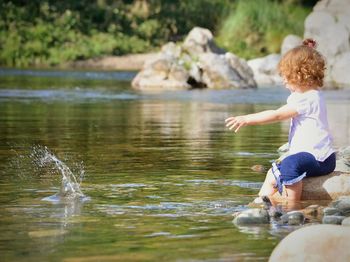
258	168
312	210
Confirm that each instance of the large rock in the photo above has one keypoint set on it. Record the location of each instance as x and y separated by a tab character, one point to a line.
314	243
289	42
340	70
343	160
265	70
200	40
334	7
223	75
329	25
330	186
163	70
198	62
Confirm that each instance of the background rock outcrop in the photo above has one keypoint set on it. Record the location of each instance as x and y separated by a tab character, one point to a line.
265	70
197	63
329	25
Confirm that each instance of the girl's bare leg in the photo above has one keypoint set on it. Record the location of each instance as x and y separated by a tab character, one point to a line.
268	187
293	192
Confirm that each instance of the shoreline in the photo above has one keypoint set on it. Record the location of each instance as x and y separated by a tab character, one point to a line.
130	62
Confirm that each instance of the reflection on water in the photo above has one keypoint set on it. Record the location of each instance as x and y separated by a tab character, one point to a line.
163	174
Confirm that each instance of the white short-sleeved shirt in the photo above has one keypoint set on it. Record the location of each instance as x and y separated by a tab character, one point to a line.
309	131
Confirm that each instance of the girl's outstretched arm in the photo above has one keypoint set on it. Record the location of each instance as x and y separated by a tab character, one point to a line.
264	117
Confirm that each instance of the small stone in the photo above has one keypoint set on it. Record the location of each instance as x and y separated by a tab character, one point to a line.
251	217
275	212
258	168
311	210
343	204
293	218
334	220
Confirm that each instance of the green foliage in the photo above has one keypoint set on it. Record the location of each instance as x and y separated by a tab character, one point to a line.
54	32
50	32
257	27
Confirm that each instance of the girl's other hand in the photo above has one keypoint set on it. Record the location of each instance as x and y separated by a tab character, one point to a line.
236	122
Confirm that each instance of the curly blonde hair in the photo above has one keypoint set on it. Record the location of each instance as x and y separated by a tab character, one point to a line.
303	66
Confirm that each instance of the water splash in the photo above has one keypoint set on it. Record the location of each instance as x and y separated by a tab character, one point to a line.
70	189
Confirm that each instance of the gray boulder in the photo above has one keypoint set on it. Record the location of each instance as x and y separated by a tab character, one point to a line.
340	70
314	243
265	70
289	42
197	63
329	25
326	187
222	75
200	40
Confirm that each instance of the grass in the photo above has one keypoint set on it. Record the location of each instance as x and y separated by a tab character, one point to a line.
256	28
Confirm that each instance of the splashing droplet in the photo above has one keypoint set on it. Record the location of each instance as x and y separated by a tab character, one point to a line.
70	187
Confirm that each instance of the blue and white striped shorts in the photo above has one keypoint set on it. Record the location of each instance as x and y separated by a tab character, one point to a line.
295	167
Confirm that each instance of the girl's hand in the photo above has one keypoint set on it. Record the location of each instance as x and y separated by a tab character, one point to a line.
236	122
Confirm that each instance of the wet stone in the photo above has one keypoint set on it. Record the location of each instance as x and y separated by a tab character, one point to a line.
293	218
251	217
312	210
259	168
343	204
331	211
275	212
334	220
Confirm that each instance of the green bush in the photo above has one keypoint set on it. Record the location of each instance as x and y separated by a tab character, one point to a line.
257	27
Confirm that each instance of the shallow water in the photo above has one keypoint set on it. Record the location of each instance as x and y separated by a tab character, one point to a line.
162	173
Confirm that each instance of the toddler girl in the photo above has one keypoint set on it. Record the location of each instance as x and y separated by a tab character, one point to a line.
310	142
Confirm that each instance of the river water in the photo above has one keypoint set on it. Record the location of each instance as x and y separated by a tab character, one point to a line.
161	174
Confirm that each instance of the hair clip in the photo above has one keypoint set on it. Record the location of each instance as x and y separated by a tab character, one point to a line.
310	43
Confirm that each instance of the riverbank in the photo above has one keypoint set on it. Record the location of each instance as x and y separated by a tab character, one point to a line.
131	62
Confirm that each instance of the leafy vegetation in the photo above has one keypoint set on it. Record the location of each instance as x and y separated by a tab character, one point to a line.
52	32
257	27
